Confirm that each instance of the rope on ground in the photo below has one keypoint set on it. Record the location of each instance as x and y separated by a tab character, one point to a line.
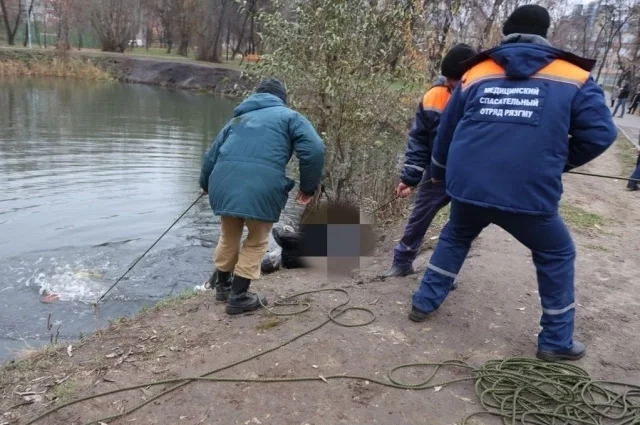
518	390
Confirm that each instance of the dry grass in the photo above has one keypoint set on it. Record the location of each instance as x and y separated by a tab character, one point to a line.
52	67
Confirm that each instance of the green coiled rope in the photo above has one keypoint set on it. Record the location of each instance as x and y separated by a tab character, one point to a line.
518	390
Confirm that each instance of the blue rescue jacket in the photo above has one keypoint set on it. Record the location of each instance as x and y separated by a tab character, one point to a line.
244	170
523	114
423	133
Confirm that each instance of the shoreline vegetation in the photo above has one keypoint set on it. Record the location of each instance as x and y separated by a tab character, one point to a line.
96	66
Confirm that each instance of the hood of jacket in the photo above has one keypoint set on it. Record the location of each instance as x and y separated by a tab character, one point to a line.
523	55
257	101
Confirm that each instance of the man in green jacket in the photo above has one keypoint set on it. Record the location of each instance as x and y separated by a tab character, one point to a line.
244	173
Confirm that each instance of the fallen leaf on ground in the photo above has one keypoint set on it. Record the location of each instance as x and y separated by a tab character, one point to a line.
323	378
146	392
466	400
70	350
521	308
436	389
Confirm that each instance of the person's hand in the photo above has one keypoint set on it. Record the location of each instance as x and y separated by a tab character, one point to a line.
204	192
403	190
303	199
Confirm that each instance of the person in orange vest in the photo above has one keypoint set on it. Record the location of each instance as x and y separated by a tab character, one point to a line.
431	197
524	114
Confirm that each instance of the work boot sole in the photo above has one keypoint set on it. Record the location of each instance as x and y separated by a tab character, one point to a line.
234	310
558	357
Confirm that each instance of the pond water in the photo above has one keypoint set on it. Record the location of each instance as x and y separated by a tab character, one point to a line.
92	173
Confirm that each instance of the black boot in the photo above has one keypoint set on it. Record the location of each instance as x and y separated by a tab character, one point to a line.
417	315
242	301
223	286
396	271
576	353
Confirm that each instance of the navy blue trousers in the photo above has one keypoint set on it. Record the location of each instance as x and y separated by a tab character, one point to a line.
553	255
635	175
430	198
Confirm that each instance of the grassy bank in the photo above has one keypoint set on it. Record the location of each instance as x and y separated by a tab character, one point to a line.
24	64
184	75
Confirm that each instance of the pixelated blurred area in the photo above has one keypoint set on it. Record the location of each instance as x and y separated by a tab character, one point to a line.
336	238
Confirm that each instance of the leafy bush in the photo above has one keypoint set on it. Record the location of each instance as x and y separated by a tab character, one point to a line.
344	66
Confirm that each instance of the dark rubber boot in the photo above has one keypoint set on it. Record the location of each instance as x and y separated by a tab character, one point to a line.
223	286
576	353
417	315
242	301
396	271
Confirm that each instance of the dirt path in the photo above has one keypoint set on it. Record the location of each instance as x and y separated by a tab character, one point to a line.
493	314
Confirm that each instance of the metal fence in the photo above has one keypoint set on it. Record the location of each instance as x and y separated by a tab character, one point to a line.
45	36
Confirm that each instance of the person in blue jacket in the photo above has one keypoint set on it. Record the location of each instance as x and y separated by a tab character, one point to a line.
430	197
524	113
244	173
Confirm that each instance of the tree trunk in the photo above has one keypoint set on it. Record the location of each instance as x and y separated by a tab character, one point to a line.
183	49
486	33
11	34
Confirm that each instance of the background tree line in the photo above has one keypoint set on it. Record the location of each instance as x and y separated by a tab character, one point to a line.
210	30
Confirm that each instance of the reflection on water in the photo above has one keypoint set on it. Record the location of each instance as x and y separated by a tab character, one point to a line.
91	174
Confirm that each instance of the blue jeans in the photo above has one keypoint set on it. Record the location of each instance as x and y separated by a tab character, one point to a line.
622	103
430	199
553	255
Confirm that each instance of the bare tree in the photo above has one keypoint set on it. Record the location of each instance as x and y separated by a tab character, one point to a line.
165	11
16	7
116	22
613	18
186	15
210	28
62	11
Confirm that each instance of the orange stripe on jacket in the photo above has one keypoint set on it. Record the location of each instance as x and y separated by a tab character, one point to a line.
559	70
563	72
436	99
485	70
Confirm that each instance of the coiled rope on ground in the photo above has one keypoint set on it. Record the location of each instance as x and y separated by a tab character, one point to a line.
518	390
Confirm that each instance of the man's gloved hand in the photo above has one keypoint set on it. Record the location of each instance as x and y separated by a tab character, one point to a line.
404	190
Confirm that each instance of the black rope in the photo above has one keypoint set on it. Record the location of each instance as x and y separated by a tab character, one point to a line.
604	176
149	249
392	200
